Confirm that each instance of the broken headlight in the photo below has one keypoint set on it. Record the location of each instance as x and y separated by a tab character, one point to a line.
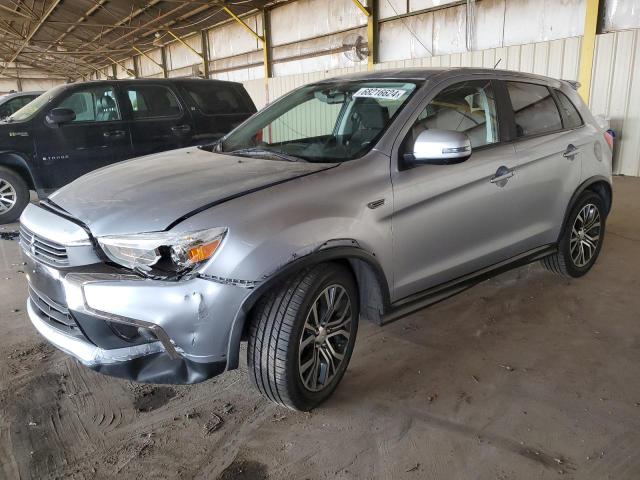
166	252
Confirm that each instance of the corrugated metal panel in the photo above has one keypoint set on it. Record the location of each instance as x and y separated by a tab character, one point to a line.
391	8
29	84
557	58
621	14
257	90
191	71
397	41
232	39
615	94
415	5
147	67
527	21
179	56
306	19
121	72
308	53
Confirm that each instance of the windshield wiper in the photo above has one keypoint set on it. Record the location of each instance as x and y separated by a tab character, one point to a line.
257	151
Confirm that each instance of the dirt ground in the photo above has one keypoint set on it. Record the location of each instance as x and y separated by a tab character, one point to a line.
527	375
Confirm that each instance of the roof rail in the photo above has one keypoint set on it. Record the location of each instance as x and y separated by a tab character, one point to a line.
574	84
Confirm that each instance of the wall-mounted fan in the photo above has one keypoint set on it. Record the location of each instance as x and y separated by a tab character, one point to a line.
355	47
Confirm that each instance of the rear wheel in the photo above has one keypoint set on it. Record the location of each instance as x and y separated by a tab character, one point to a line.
14	195
582	237
302	336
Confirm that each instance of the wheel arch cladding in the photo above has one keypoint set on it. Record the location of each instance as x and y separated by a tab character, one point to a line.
373	290
597	184
17	164
602	188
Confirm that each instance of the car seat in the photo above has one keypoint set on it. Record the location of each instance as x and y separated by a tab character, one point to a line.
106	109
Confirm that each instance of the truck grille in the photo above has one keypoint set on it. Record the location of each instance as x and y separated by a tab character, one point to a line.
51	311
46	250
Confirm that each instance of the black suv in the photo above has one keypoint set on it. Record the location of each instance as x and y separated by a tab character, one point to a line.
76	128
10	103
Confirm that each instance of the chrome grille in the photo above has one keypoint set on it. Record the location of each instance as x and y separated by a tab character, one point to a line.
55	313
43	249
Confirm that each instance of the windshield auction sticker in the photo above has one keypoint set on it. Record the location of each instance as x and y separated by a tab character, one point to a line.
383	93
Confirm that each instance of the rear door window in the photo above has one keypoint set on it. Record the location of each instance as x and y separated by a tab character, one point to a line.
534	109
93	104
215	99
152	101
570	115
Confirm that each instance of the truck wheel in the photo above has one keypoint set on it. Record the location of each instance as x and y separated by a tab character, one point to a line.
581	239
302	335
14	195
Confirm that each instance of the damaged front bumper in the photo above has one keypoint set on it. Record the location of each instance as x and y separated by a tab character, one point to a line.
145	330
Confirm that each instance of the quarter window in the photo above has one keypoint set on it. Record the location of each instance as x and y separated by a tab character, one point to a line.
534	109
152	101
95	104
572	118
468	107
215	99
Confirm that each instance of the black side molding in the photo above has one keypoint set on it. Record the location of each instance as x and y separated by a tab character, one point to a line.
418	301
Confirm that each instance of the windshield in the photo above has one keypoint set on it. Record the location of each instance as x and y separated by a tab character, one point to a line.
328	122
31	108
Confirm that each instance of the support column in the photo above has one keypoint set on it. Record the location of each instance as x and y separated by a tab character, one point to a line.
136	68
371	11
373	30
266	43
205	53
587	51
18	80
163	56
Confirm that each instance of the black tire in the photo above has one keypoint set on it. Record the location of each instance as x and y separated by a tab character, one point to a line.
19	186
563	262
276	333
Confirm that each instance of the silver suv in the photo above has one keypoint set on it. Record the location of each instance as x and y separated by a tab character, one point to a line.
362	197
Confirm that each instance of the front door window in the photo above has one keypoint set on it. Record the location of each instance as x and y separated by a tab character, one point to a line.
95	104
468	107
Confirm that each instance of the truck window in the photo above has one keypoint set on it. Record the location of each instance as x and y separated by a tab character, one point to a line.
93	104
152	101
215	99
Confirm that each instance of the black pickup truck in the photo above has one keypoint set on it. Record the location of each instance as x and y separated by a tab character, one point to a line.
76	128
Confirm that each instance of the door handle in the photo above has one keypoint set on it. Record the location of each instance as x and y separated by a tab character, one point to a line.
181	128
503	174
571	151
114	134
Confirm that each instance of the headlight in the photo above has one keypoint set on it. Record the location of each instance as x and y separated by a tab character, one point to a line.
165	251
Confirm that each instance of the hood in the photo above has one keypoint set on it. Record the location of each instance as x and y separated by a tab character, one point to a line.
152	193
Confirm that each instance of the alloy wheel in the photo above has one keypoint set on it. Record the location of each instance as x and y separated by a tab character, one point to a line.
585	235
8	196
325	337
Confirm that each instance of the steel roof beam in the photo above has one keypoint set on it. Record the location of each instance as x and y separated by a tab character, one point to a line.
34	30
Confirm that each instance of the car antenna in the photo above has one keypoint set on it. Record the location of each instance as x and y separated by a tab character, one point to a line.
497	63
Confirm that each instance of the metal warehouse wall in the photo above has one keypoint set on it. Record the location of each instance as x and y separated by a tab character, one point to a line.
616	94
24	78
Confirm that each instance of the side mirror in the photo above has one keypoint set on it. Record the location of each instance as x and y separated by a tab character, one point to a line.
439	147
58	116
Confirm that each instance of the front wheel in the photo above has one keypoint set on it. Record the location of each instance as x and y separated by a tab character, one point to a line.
581	239
14	195
302	336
